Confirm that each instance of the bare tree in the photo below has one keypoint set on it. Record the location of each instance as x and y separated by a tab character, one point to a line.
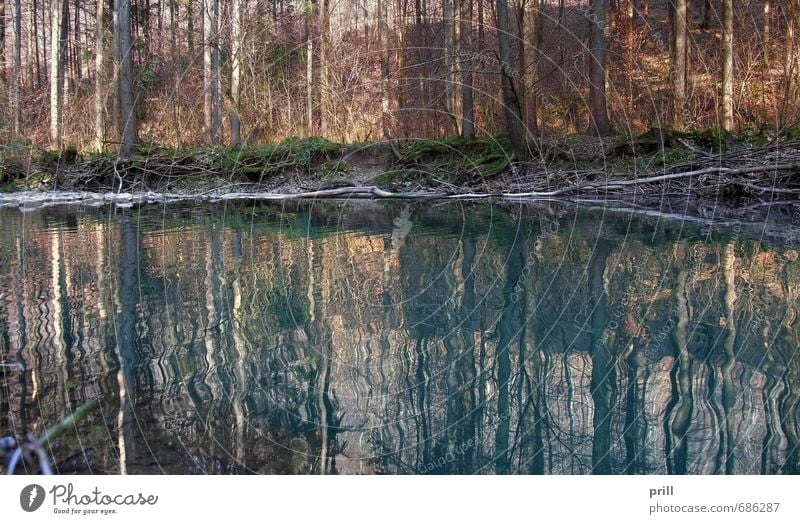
383	36
211	84
56	72
236	60
529	60
727	65
679	65
100	77
124	48
449	64
468	110
599	124
510	101
2	55
17	65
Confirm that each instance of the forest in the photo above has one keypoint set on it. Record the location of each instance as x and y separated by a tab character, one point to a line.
561	84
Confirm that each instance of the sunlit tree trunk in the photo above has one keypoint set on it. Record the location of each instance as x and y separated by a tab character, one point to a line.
236	52
678	71
309	21
727	65
510	100
17	66
765	36
599	124
56	74
324	72
4	98
100	77
383	36
211	84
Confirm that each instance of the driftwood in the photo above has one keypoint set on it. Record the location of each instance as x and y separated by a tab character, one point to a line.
753	173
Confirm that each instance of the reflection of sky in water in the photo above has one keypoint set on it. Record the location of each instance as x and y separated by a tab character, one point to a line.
399	338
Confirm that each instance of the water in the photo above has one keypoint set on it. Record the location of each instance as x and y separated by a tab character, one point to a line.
400	338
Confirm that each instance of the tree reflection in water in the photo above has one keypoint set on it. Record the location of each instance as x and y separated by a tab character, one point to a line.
377	338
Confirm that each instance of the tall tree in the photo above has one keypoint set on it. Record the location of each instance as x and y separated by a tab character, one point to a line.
3	94
211	83
56	73
468	110
449	64
599	124
529	29
324	73
510	100
100	76
124	48
236	60
17	65
383	36
309	22
765	33
679	62
727	65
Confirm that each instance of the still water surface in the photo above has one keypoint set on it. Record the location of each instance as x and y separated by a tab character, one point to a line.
393	338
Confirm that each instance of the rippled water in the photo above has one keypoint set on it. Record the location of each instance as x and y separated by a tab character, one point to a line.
400	338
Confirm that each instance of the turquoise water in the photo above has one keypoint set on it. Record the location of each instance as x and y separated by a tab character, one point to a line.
401	338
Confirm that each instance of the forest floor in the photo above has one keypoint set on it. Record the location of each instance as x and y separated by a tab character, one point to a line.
657	166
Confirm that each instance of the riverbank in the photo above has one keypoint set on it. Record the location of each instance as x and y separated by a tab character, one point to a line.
661	164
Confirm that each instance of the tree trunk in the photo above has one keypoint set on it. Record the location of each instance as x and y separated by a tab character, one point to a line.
236	52
17	66
678	72
33	24
599	124
727	65
211	85
324	81
3	93
76	27
468	115
383	36
190	27
529	60
449	77
100	77
56	74
122	28
309	20
510	101
765	34
64	50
